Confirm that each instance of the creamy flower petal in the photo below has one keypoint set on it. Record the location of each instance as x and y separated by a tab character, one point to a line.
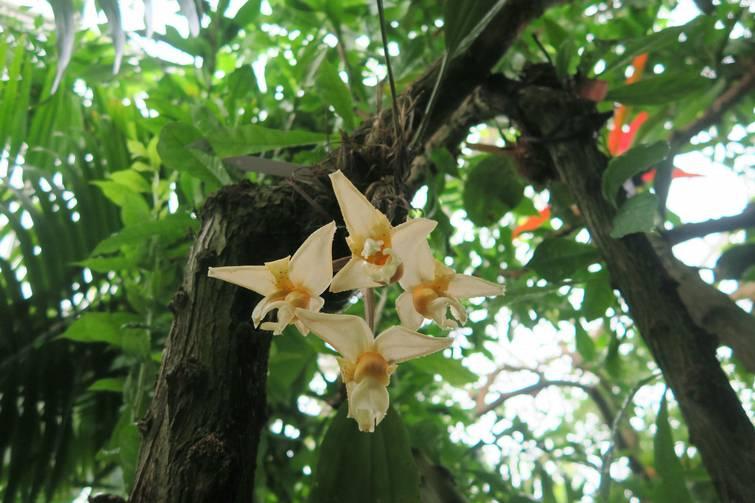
368	403
312	264
285	316
463	286
257	312
301	328
419	264
405	237
252	277
399	344
360	215
437	312
355	274
349	390
408	315
315	304
348	334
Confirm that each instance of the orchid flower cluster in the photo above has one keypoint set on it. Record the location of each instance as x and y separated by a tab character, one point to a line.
381	254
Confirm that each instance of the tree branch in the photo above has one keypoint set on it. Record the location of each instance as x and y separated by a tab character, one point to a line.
744	220
713	114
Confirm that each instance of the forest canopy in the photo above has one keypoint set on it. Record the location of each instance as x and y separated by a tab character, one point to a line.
377	250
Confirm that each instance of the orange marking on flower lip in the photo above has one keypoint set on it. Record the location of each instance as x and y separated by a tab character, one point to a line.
372	364
298	298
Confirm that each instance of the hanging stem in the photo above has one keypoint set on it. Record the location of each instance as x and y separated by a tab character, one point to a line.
368	294
391	82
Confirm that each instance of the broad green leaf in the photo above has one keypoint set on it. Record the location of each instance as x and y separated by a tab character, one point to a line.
131	179
356	467
637	214
334	92
292	363
111	328
444	162
672	485
584	343
493	187
124	443
168	229
64	33
113	384
598	296
175	152
556	259
660	90
449	369
632	162
253	139
648	43
106	264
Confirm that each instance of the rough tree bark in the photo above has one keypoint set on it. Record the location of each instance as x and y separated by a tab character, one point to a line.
684	350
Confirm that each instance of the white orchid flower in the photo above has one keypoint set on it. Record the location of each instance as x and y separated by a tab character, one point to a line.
366	362
431	289
377	247
288	283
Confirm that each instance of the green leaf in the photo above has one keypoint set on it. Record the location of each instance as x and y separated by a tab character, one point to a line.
292	363
173	147
637	214
110	328
632	162
666	88
106	264
672	485
493	187
444	162
134	209
734	262
449	369
113	384
169	229
356	467
654	41
584	343
334	92
556	259
566	62
465	20
131	179
598	296
253	139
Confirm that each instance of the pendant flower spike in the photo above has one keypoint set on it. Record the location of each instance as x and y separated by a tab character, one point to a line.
287	284
377	247
431	289
367	362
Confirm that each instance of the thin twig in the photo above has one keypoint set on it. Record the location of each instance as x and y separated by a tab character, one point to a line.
607	458
542	49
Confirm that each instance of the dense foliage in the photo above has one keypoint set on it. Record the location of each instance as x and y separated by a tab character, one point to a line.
548	392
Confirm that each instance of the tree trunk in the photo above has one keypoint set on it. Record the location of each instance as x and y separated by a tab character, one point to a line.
202	430
684	351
